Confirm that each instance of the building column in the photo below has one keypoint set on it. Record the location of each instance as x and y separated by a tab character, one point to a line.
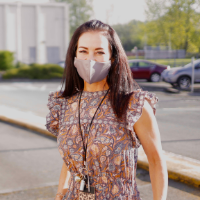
41	56
66	28
5	26
19	34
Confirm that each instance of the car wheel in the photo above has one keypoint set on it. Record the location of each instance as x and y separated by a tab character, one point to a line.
155	77
184	82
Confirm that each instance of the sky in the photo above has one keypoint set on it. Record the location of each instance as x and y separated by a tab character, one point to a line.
119	11
110	11
26	1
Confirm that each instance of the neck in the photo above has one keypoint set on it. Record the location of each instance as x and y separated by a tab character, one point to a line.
98	86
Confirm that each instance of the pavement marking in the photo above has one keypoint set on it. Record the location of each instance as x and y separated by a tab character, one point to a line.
8	88
179	109
186	140
144	186
43	87
59	88
28	188
26	86
32	149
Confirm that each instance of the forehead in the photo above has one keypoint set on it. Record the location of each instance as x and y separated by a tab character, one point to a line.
93	39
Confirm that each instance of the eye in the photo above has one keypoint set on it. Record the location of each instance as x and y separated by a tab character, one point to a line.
100	52
82	51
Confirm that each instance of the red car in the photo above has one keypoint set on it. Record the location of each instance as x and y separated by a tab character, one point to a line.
144	69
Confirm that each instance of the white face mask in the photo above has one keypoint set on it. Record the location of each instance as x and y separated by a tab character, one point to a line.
92	71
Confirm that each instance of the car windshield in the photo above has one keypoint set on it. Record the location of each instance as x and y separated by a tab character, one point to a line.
190	64
133	64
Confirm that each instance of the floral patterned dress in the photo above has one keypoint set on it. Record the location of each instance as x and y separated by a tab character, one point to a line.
112	143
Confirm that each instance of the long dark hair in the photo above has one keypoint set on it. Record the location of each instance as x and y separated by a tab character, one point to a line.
119	78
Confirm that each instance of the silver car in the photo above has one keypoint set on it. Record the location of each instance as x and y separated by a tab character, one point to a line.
181	76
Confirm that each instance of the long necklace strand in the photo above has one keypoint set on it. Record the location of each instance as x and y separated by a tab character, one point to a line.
85	147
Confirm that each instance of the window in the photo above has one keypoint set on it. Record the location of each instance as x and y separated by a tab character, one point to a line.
53	54
32	54
144	64
133	64
197	66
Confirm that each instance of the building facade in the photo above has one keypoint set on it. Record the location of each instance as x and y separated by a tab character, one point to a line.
36	33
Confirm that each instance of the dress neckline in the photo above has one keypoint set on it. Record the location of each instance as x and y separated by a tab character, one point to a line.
94	94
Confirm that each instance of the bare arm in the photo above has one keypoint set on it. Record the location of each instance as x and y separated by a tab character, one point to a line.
63	181
148	133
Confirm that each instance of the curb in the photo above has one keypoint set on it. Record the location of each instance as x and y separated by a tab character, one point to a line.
179	168
26	125
174	174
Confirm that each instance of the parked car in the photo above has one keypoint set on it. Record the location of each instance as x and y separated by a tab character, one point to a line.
181	76
144	69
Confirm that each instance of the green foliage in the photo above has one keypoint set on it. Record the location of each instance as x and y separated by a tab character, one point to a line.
20	64
80	11
173	22
11	73
129	34
6	60
35	71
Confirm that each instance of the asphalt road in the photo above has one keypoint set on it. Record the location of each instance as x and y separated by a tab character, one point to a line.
30	167
177	114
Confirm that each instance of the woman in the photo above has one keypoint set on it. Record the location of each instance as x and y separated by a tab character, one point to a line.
101	118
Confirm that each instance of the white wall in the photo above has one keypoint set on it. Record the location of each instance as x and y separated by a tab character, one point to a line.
35	32
2	21
54	37
28	27
11	29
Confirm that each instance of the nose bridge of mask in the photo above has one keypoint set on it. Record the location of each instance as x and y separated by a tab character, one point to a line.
92	69
98	71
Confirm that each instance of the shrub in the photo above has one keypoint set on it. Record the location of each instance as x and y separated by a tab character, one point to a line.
35	71
6	60
20	64
46	71
55	75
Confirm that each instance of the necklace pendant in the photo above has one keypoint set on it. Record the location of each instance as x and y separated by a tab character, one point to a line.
78	179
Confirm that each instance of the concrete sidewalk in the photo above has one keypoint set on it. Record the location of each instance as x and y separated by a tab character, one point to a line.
180	168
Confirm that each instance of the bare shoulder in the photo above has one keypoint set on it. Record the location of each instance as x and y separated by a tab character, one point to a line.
147	130
147	116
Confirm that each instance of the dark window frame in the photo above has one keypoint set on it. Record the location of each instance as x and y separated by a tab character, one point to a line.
197	66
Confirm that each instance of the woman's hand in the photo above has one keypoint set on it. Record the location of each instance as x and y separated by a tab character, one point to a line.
63	182
59	197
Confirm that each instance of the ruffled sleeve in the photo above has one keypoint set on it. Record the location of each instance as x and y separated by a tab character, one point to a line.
135	109
52	118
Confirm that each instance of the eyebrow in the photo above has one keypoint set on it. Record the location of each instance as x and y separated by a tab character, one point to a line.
99	48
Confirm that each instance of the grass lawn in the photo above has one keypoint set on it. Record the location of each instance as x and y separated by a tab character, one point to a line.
170	62
173	62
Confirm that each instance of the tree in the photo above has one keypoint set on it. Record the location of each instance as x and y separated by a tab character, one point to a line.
129	34
174	21
80	11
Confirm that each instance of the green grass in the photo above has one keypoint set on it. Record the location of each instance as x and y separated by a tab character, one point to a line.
173	62
170	62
